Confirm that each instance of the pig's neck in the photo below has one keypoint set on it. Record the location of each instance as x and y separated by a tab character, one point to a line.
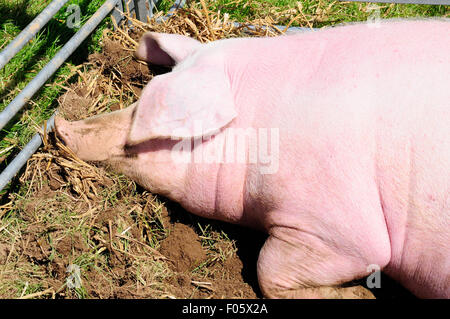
150	165
208	189
213	190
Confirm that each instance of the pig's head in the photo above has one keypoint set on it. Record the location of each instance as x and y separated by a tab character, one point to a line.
194	99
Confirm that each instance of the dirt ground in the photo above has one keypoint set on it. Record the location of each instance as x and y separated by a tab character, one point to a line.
124	241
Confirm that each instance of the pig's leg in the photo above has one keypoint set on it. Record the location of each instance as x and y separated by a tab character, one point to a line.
98	138
294	264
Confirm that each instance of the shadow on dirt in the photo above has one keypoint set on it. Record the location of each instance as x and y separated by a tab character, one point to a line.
249	243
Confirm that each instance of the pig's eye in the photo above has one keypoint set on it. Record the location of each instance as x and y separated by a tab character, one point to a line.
130	151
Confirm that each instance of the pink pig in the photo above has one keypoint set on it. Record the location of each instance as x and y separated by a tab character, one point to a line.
335	142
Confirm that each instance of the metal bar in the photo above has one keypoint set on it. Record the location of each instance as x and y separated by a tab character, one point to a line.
19	161
280	27
117	13
30	31
129	7
21	99
152	5
435	2
140	8
176	5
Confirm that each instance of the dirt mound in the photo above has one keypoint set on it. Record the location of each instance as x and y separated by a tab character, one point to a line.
183	248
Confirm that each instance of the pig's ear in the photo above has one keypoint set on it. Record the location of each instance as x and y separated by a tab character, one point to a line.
165	49
184	104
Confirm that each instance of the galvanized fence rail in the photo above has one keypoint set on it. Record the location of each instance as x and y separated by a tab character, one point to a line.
143	10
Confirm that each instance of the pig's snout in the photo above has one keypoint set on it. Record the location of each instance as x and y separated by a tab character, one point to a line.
64	133
79	138
98	138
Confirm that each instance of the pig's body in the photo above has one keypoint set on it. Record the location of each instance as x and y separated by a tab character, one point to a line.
363	172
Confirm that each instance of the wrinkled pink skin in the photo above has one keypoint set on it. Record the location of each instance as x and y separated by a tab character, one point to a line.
364	155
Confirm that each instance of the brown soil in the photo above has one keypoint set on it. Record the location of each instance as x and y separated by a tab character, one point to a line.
185	253
190	271
183	249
